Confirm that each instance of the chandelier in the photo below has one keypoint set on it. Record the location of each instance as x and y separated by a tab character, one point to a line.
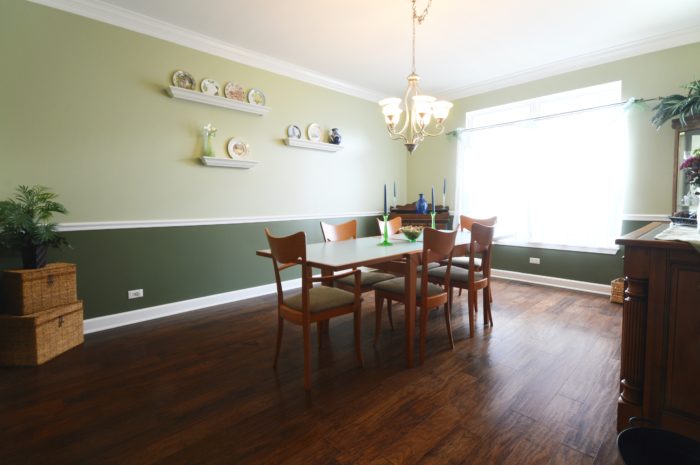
419	109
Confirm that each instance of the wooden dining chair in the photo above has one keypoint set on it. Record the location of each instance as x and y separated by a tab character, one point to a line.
437	245
311	304
392	226
348	231
472	278
465	223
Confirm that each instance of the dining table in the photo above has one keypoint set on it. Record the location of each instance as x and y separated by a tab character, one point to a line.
402	256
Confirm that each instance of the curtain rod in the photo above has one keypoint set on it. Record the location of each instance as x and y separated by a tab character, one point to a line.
629	103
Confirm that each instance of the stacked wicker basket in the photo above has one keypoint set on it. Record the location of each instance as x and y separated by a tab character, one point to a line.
41	314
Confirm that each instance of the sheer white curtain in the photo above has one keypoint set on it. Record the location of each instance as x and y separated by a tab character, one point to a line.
556	182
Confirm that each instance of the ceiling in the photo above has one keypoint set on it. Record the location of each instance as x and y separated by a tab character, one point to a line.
363	47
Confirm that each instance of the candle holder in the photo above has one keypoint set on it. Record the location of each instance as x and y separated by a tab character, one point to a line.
432	220
385	240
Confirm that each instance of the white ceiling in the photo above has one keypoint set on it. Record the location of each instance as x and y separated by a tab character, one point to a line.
362	47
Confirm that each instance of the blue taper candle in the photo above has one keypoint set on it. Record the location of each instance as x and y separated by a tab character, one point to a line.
385	200
432	197
444	186
394	188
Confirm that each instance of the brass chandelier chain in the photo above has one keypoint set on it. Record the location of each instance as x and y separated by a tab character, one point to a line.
417	18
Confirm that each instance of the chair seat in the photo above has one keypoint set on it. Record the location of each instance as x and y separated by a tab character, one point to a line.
456	274
367	278
431	265
397	286
463	262
322	298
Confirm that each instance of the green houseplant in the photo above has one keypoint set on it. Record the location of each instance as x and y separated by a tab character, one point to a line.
25	224
683	107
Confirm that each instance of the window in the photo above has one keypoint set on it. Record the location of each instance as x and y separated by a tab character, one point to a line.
550	168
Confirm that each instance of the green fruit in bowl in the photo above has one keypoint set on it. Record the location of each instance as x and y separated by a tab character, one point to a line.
411	232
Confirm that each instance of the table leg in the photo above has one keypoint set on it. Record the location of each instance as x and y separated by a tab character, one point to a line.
322	326
410	286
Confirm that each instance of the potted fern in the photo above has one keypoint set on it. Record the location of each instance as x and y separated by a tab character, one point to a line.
683	107
25	224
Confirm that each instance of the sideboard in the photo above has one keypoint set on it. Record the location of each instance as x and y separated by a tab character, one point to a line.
660	352
410	217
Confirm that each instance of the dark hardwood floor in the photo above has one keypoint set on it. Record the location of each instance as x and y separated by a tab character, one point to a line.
540	387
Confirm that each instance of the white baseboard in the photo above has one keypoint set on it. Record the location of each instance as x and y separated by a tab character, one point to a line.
102	323
593	288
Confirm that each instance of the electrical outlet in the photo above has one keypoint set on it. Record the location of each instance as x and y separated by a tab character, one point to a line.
535	260
135	293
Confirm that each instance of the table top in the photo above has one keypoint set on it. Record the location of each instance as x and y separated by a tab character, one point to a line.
363	251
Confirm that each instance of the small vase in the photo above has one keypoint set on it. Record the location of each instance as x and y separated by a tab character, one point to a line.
208	150
421	205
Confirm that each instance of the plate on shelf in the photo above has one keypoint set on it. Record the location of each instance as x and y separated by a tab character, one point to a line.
184	80
256	97
293	132
209	87
238	148
234	91
313	132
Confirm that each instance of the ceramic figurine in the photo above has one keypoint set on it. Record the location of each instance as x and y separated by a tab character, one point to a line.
334	136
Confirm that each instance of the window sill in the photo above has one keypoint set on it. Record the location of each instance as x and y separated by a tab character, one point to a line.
567	248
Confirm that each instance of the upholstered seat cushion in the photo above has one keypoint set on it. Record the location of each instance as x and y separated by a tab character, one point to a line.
463	262
367	278
396	286
431	265
456	274
322	298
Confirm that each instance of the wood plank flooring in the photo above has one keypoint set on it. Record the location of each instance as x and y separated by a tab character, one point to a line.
540	387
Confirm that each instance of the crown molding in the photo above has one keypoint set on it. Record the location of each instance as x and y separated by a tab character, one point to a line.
652	44
121	17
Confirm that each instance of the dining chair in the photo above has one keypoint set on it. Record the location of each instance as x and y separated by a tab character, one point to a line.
392	226
437	245
465	223
311	304
472	278
348	231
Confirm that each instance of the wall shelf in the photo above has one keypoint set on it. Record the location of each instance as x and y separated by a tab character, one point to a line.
309	144
215	100
229	162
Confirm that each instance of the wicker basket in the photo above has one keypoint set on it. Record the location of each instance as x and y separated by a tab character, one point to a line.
617	287
25	292
34	339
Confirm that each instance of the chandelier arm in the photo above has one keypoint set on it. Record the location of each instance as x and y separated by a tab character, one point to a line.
440	130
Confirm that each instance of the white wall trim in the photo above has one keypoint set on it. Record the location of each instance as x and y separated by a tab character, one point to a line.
127	19
655	43
102	323
100	225
645	217
594	288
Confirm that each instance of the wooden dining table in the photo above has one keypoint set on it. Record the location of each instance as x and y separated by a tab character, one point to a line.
367	251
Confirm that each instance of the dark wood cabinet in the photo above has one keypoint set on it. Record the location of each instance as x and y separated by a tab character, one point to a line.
660	353
410	217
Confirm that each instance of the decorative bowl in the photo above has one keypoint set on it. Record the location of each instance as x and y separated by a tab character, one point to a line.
412	232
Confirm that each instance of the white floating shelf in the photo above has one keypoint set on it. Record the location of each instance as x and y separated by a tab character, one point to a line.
229	162
309	144
215	100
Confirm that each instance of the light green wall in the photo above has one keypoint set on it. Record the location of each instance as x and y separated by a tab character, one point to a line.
650	169
84	111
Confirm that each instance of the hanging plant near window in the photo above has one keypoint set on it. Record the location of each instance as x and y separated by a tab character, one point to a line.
683	107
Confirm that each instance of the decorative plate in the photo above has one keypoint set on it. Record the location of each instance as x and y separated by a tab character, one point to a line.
184	80
238	148
234	91
209	87
293	132
314	132
256	96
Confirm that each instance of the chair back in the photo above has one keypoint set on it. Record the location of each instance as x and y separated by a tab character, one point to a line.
339	232
288	251
437	246
481	243
392	226
466	222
